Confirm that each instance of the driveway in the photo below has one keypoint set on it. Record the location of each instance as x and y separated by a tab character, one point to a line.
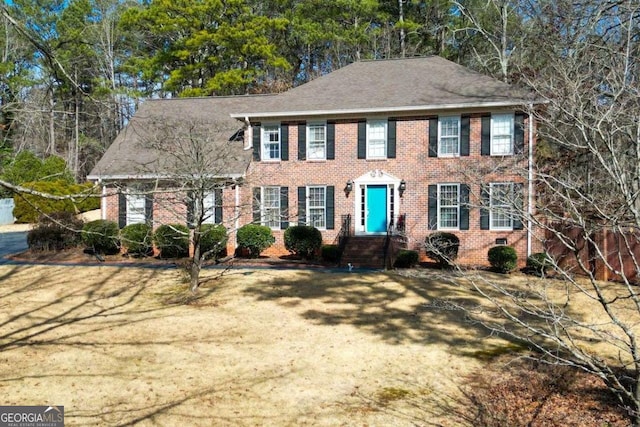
13	239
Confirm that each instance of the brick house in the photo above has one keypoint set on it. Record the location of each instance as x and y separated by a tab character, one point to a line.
408	145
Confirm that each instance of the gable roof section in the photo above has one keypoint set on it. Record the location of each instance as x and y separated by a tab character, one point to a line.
137	152
394	85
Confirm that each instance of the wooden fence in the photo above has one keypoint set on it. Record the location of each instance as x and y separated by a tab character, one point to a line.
621	250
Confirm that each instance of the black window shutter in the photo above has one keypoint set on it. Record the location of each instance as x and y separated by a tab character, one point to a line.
302	205
256	142
465	123
148	208
362	139
331	207
391	139
464	207
122	210
518	208
284	142
218	207
433	207
302	141
484	207
433	137
518	133
284	207
485	136
190	208
256	206
331	141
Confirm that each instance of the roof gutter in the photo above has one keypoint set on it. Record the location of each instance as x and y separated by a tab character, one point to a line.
119	177
412	108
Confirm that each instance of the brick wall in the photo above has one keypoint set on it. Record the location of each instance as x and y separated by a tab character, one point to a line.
412	164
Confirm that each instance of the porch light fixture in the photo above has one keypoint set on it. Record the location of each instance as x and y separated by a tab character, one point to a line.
348	188
402	187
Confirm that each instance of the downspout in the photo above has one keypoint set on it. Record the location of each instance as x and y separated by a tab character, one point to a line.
237	214
103	201
530	189
248	140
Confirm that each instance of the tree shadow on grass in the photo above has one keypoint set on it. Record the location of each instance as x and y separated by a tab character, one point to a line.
397	309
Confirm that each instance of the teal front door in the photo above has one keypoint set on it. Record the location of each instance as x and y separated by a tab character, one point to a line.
376	208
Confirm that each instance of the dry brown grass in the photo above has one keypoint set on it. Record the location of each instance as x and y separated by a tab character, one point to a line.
124	346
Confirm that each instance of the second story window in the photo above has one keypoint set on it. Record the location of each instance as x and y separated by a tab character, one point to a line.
449	136
376	139
501	134
316	141
271	142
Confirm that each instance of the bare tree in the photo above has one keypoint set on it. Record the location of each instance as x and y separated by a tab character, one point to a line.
588	197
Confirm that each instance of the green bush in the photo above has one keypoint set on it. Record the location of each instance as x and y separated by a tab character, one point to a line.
102	236
330	253
303	240
503	259
27	167
254	239
406	259
442	247
539	263
213	238
172	240
29	207
56	231
137	239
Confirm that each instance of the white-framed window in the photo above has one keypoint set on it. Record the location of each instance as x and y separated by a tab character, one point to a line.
270	213
316	141
501	205
376	139
209	205
317	206
271	142
449	136
502	134
136	204
448	206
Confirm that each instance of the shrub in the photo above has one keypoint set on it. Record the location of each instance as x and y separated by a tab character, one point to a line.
330	253
57	231
172	240
406	259
539	263
503	259
254	239
213	238
137	239
303	240
101	236
442	247
29	207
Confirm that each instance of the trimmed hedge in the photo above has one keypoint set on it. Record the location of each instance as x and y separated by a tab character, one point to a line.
442	247
330	253
29	207
102	236
503	259
56	231
406	259
213	237
303	240
172	240
137	239
253	239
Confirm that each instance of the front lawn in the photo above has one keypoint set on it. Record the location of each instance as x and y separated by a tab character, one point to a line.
122	346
